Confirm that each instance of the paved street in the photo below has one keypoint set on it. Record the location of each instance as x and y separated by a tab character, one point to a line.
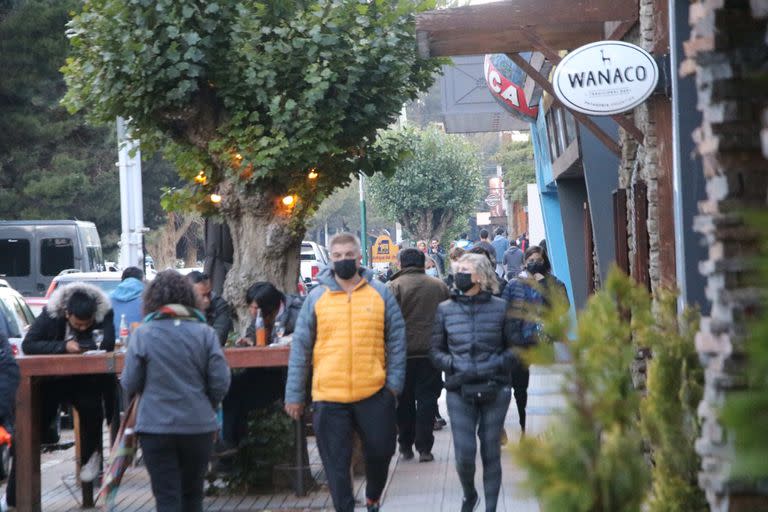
412	487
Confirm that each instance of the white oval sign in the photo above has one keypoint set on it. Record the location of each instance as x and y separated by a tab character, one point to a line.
605	78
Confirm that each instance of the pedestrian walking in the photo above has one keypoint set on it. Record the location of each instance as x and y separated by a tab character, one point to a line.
500	245
175	362
78	318
430	268
436	253
502	283
485	243
513	260
126	298
218	313
472	344
453	260
531	290
9	383
351	334
418	296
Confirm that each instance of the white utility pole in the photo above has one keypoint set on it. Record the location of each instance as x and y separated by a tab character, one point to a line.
131	204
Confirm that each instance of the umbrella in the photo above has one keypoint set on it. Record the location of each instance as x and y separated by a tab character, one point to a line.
121	455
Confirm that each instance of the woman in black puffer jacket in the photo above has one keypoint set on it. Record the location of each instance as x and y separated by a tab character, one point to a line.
472	344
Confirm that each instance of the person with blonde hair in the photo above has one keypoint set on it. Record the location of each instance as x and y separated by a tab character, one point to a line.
472	343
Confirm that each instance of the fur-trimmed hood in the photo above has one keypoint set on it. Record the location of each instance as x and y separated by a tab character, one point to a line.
57	304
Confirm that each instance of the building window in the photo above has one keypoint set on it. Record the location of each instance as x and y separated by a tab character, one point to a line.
570	126
554	149
56	254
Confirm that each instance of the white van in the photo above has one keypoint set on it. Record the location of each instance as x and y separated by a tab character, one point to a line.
33	252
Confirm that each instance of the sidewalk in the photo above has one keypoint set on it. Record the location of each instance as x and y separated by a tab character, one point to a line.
412	487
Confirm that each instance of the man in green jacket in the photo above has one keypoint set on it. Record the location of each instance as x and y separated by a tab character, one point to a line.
418	295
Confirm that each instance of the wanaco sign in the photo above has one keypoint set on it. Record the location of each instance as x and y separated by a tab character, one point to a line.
605	78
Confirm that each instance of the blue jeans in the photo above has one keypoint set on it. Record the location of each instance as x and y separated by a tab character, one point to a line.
468	422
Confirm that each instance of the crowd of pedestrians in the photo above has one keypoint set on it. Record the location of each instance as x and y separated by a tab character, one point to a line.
369	357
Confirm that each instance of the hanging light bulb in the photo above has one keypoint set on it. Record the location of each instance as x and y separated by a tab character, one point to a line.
313	174
201	178
289	200
215	198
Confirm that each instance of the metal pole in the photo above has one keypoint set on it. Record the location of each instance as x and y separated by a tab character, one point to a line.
363	221
131	205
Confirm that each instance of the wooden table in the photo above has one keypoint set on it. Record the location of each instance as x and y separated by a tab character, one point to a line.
36	368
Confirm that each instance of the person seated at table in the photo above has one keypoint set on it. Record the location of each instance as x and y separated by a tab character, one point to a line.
9	383
218	313
65	326
255	388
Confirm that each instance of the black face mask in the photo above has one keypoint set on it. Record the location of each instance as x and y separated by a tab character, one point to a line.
463	281
535	267
345	269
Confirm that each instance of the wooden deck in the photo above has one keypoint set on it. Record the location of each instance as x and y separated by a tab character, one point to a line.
412	486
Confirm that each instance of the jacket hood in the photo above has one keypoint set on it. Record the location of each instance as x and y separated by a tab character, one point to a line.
128	290
57	304
406	271
326	277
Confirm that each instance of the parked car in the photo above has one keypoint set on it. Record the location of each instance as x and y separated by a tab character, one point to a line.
15	316
314	258
33	252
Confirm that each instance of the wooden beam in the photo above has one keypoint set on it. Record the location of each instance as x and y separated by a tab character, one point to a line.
621	30
555	59
501	15
464	41
603	137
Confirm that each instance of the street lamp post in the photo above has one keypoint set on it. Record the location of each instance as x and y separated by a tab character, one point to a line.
363	221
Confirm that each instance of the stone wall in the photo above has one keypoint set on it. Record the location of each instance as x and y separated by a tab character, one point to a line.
727	51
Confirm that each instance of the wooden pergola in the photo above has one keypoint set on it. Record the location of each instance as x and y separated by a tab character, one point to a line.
514	26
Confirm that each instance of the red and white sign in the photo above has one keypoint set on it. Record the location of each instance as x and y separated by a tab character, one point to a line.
507	91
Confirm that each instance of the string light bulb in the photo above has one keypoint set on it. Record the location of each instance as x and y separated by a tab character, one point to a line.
215	198
313	174
289	200
201	178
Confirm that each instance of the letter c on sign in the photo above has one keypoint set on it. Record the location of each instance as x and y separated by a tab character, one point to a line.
494	79
627	73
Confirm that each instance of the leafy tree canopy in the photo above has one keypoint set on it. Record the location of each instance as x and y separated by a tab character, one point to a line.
516	158
254	93
52	165
436	185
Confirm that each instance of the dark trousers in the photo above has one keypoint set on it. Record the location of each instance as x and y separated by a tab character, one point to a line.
251	389
468	422
10	489
177	464
417	407
85	394
374	420
520	377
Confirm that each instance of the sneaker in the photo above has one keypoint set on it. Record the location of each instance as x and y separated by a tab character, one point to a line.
426	457
406	453
469	504
372	506
90	470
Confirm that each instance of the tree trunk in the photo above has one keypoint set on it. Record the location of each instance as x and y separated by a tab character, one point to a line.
267	242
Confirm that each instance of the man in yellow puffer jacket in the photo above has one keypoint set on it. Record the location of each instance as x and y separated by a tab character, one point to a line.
352	334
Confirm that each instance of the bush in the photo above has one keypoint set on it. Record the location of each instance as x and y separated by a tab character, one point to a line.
270	441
